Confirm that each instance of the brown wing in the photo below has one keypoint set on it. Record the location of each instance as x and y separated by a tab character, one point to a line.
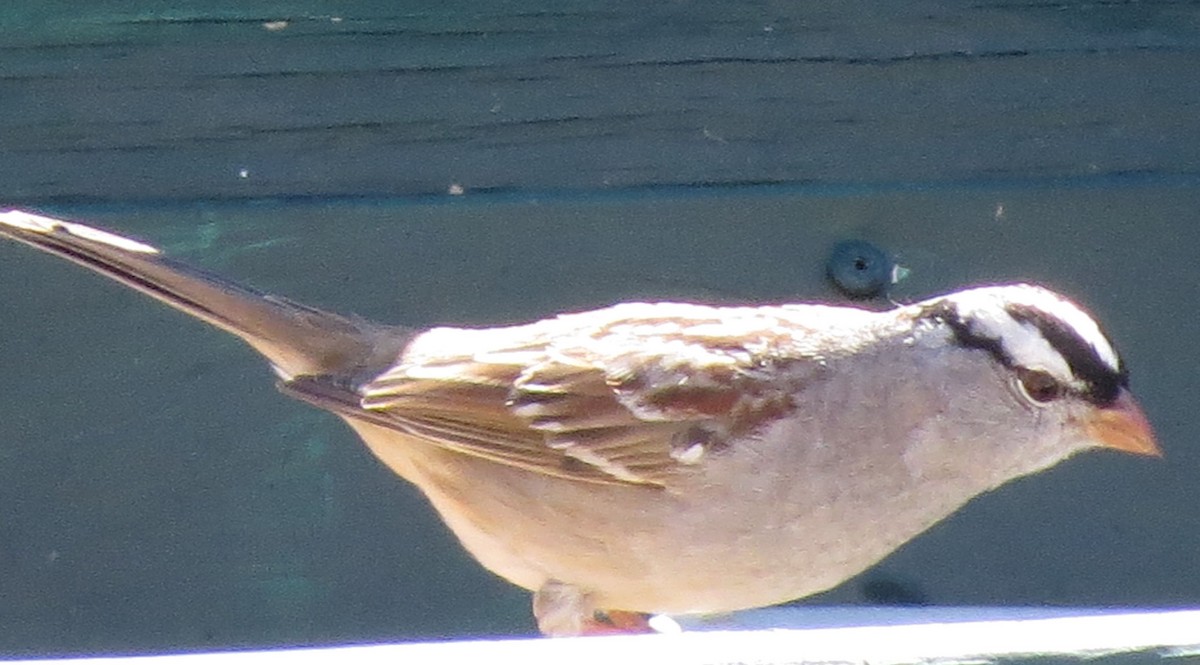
636	393
496	442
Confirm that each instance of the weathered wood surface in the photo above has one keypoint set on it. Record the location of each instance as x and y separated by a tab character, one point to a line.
123	100
157	493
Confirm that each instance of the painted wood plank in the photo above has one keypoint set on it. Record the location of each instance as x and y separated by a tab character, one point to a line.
115	101
1029	636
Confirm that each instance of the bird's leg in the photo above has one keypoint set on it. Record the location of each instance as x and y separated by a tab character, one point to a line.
563	610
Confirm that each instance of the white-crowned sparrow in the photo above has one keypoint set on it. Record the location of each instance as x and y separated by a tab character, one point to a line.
679	458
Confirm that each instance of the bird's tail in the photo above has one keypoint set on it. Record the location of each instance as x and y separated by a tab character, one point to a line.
296	339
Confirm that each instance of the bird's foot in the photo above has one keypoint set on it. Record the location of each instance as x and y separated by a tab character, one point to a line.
563	610
616	622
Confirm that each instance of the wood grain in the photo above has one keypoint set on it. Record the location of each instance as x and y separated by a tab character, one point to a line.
113	101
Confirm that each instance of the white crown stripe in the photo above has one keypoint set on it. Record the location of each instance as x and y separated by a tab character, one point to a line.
1022	341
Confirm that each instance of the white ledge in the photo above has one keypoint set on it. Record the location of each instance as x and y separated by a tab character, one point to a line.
878	636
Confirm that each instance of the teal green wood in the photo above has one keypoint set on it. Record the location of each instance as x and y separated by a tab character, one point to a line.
158	494
123	101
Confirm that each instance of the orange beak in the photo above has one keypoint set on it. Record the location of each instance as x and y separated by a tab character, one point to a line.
1123	426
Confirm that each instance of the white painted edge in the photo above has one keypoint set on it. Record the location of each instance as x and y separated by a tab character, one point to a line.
884	636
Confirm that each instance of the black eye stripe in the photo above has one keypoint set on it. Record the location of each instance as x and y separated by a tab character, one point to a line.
1104	383
947	313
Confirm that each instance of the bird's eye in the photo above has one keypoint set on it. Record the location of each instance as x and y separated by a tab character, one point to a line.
1038	386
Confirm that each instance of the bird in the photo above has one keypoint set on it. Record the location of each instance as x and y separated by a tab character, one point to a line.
679	458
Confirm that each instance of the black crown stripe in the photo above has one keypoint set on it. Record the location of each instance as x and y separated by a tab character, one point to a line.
1103	384
1103	381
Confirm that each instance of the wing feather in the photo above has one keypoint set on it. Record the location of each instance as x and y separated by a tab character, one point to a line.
638	393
